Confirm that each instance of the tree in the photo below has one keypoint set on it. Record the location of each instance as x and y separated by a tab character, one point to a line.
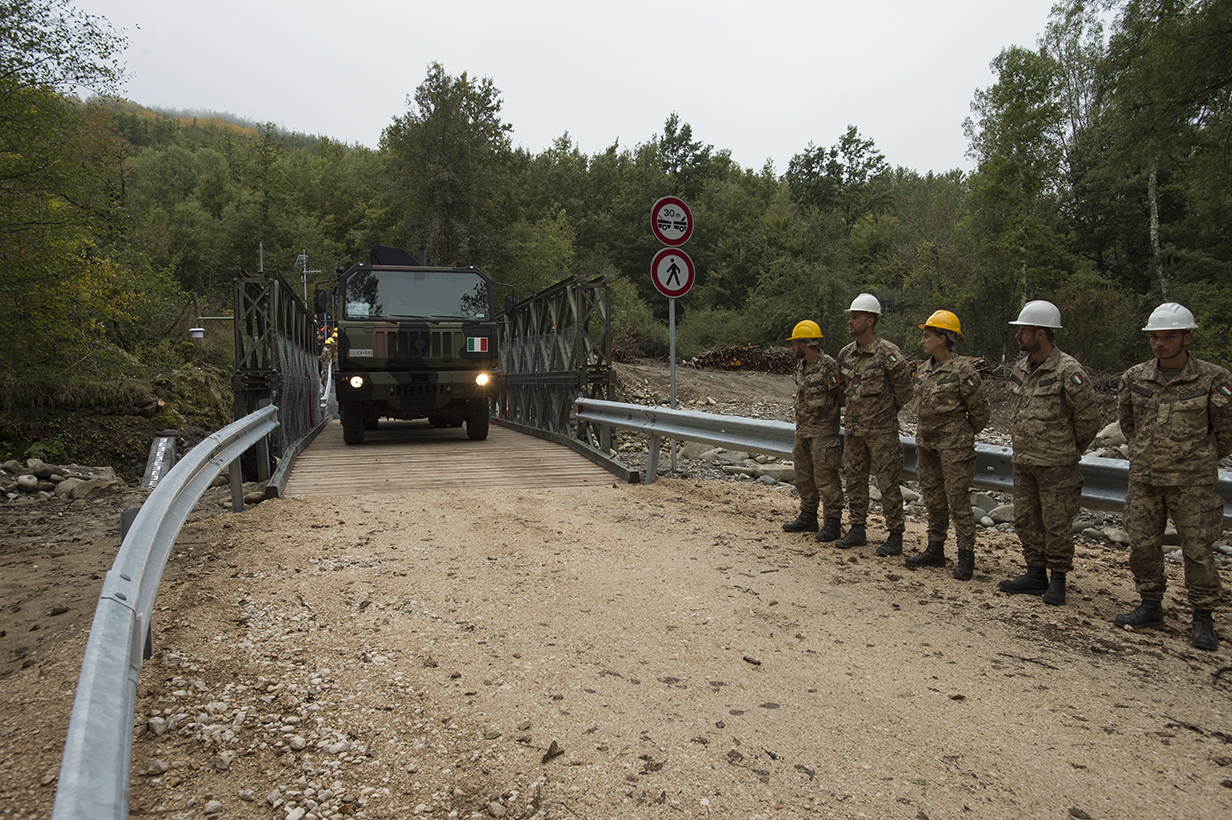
442	158
1017	142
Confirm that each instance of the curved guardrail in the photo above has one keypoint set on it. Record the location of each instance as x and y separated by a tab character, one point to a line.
1104	480
95	767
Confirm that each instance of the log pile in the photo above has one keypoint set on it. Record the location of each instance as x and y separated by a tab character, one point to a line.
747	357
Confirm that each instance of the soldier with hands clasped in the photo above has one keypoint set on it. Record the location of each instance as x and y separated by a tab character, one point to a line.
876	384
1176	413
817	449
1054	419
952	408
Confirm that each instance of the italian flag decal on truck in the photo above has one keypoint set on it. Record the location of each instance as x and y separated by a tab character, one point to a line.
476	344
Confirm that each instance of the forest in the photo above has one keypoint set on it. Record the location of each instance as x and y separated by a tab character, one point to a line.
1102	181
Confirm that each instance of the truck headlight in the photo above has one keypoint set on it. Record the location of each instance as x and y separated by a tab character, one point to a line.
482	379
357	382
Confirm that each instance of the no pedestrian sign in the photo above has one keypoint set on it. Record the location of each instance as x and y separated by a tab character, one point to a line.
672	272
671	221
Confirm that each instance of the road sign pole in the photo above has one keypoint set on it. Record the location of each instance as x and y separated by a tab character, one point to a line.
671	352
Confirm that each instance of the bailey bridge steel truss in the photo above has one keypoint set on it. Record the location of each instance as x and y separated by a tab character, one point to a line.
275	356
555	346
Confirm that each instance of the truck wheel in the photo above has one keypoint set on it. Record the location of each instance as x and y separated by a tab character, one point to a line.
477	420
352	415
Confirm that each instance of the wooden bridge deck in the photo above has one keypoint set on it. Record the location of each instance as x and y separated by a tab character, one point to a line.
413	455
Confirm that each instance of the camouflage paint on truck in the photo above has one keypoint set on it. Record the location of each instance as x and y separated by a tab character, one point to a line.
415	342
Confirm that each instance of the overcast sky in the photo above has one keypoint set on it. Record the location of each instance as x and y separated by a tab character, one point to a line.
760	79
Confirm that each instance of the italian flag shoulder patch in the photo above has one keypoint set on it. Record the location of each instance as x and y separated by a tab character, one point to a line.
1077	378
1225	389
476	344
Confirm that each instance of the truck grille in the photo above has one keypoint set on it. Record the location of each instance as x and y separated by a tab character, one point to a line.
416	344
421	390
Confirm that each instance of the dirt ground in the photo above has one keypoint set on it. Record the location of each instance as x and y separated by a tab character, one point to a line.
623	651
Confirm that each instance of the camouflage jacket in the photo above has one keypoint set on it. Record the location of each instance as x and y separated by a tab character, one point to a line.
1177	430
1053	415
819	398
951	404
876	385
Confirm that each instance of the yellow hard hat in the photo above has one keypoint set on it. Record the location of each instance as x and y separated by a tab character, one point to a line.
943	320
807	329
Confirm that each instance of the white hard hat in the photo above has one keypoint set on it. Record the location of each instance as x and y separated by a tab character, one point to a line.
1171	316
866	303
1039	314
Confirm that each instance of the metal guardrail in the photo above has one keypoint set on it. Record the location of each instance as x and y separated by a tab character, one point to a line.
95	767
1104	480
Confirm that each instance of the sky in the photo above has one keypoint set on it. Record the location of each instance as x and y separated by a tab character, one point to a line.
759	79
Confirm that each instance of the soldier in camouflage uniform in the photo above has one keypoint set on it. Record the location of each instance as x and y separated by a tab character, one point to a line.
876	385
1176	414
952	408
1054	419
817	450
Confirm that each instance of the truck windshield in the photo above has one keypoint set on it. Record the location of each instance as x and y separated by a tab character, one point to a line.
403	294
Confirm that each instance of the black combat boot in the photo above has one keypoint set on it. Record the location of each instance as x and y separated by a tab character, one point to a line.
1032	582
805	522
932	556
893	545
855	537
1149	614
1055	594
965	567
1204	636
832	530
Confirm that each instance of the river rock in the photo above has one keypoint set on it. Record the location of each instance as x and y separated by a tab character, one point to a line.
27	483
1002	514
12	467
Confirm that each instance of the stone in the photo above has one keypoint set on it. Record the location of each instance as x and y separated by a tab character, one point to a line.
1095	534
779	472
1110	436
909	495
984	501
212	807
38	468
27	483
987	522
695	450
729	456
1116	535
1002	514
67	486
979	513
12	467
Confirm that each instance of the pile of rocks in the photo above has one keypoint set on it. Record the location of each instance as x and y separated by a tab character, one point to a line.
38	481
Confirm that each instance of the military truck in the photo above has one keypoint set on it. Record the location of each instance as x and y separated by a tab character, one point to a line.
414	342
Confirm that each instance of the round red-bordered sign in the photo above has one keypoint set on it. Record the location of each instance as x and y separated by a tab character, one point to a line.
672	272
671	221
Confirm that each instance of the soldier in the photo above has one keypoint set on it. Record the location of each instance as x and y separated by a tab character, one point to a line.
1054	419
1176	413
876	384
952	408
817	449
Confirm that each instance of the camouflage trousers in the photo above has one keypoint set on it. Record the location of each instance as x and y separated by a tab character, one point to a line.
818	461
880	454
1197	512
1045	501
945	481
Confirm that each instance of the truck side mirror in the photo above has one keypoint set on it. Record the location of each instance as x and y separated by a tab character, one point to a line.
511	304
319	304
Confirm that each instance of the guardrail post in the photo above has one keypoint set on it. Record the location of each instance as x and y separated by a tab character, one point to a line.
237	486
652	460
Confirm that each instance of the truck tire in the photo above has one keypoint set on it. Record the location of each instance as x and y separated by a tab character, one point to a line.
352	416
477	420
